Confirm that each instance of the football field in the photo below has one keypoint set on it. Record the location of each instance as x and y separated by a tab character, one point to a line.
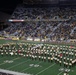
28	66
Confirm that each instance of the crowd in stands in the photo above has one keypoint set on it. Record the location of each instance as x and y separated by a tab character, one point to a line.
43	13
54	30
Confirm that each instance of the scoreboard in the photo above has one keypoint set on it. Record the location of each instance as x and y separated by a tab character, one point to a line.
15	20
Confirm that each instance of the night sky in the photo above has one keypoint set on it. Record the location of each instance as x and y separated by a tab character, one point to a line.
8	6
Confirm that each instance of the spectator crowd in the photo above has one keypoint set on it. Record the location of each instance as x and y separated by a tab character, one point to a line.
54	30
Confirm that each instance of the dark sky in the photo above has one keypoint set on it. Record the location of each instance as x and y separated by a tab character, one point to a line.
9	5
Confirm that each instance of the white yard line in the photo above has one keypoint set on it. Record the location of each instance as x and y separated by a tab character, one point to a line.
5	62
16	58
59	73
44	69
2	58
29	67
2	63
26	69
17	64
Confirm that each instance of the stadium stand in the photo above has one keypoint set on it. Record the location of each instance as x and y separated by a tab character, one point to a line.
21	12
43	23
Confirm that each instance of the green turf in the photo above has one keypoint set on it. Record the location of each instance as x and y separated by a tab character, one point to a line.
22	64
